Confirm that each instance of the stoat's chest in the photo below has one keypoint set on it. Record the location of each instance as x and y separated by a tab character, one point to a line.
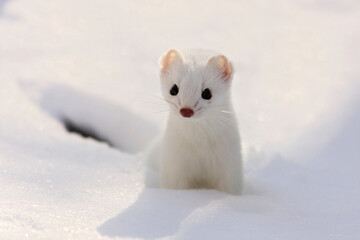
196	141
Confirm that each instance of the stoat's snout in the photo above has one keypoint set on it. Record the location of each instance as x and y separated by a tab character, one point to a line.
186	112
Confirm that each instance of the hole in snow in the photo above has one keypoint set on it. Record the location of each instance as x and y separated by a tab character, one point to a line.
92	117
84	131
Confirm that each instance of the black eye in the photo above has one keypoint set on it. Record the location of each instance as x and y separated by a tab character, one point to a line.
206	94
174	90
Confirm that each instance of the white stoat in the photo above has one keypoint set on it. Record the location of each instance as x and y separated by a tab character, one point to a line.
200	147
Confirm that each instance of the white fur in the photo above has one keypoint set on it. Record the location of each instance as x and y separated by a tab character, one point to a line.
202	151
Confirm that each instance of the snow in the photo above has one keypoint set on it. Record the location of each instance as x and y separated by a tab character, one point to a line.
296	94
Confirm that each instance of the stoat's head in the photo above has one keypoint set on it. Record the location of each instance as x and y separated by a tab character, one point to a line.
195	85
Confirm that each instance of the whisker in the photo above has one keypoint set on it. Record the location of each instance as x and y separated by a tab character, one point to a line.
163	99
227	121
227	112
163	111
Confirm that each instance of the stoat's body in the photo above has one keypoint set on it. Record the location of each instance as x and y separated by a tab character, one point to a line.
201	145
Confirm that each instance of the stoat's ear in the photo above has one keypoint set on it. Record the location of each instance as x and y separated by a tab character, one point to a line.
222	65
169	59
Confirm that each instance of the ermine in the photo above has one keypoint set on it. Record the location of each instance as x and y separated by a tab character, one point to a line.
200	147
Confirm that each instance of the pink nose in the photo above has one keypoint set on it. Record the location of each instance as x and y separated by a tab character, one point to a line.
186	112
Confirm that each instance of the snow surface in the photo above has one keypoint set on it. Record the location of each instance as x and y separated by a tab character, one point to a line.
296	94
